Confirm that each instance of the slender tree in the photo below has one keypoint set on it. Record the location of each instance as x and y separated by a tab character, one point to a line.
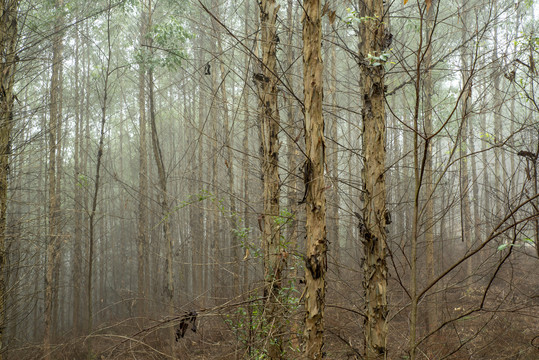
8	64
163	194
53	244
142	224
465	211
374	42
274	259
77	190
107	71
432	319
315	187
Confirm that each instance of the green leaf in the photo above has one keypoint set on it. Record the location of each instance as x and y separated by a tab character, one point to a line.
502	246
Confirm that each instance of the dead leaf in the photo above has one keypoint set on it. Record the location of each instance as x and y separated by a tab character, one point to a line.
428	2
325	8
331	16
405	1
246	254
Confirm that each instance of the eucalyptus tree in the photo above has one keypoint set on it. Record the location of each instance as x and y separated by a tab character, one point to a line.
315	192
164	42
274	260
374	44
106	75
142	221
9	31
54	241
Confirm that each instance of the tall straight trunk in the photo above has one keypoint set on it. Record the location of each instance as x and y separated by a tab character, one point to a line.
315	200
165	210
293	155
475	186
53	240
8	63
333	157
486	191
92	213
514	95
85	156
432	318
398	178
200	225
101	253
417	190
499	156
142	221
214	252
234	244
463	163
375	215
245	159
274	258
56	300
77	184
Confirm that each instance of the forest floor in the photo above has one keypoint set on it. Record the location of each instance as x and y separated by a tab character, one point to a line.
506	326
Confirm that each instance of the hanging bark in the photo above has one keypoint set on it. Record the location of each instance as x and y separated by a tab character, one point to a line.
374	41
274	257
8	64
315	201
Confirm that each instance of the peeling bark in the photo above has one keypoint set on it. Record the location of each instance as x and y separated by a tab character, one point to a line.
274	260
315	195
373	231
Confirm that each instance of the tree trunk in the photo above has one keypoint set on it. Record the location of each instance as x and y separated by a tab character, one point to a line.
274	257
200	225
142	223
165	210
293	155
463	163
499	156
8	63
375	215
53	241
56	301
333	220
95	193
432	318
245	160
78	183
315	187
233	245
